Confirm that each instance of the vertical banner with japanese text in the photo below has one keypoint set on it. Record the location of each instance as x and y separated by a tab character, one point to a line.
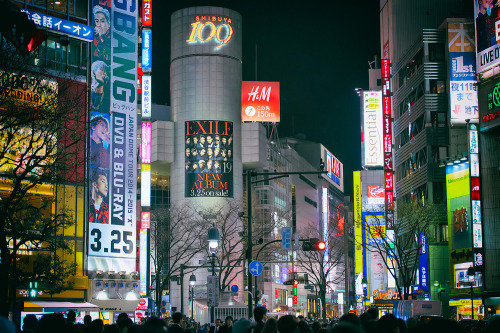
113	164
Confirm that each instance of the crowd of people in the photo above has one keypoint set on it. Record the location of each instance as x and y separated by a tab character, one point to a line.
368	322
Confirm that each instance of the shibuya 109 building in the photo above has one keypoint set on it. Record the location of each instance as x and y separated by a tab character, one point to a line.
205	84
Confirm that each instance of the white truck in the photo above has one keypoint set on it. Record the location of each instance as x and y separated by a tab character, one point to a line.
416	308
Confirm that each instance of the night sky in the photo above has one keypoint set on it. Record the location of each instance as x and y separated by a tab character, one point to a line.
319	54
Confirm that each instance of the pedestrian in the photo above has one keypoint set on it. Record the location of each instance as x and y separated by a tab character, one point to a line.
176	326
271	326
228	325
30	323
259	314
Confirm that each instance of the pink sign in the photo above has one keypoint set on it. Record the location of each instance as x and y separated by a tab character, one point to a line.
146	143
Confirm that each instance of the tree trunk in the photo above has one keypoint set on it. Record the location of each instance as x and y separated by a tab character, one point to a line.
322	295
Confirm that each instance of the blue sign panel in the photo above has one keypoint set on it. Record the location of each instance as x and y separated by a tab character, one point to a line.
286	238
255	267
423	271
146	50
60	25
234	288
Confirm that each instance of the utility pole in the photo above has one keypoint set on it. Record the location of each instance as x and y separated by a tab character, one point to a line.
249	254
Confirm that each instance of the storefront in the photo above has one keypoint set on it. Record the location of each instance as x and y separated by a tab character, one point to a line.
40	308
462	309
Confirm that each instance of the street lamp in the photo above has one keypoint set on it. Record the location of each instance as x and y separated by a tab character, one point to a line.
192	281
213	247
364	284
471	272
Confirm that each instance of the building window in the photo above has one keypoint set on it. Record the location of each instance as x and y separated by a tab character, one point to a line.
310	201
62	54
76	8
307	181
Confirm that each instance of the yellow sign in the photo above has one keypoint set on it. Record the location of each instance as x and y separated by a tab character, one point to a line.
358	228
465	301
22	90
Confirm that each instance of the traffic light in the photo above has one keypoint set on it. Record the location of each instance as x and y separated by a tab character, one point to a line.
295	283
33	289
18	29
313	244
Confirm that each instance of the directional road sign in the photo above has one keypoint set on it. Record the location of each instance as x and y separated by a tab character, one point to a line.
234	288
255	267
286	238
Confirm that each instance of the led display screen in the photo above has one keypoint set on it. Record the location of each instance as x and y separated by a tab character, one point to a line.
260	101
113	163
209	158
372	136
458	205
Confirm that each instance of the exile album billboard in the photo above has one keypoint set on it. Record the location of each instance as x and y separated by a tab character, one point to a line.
209	158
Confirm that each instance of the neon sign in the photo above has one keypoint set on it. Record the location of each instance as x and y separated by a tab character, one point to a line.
222	32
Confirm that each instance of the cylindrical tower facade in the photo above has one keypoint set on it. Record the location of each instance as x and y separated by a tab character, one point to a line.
205	84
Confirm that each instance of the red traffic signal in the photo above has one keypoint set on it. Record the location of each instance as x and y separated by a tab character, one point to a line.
295	283
313	244
321	246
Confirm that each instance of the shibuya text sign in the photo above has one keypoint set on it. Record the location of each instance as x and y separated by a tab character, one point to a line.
211	28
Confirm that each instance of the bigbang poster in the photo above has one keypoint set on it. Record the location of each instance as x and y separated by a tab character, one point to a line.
209	158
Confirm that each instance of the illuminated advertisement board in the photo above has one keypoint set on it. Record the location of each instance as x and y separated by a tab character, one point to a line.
70	28
145	220
145	185
333	167
324	208
113	164
146	96
358	228
209	158
147	13
143	259
462	70
387	131
146	50
213	29
146	143
260	101
375	194
423	262
475	185
27	91
458	205
372	137
486	19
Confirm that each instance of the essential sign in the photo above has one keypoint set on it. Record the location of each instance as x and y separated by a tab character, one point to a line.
372	140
